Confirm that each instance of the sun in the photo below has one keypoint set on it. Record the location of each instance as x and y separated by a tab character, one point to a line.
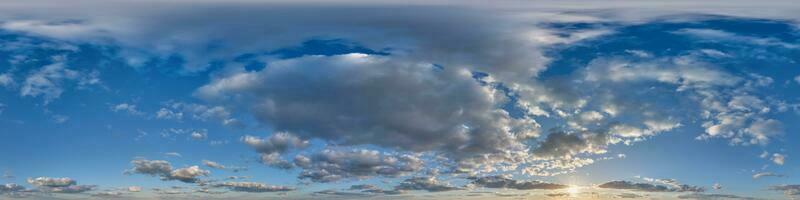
573	190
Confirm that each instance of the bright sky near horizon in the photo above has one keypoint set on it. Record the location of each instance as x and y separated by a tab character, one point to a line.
399	100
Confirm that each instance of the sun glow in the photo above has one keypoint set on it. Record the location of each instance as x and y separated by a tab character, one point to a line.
573	190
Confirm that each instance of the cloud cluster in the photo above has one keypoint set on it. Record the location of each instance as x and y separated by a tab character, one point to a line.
788	190
505	181
164	170
332	165
670	186
253	187
430	184
59	185
373	99
273	147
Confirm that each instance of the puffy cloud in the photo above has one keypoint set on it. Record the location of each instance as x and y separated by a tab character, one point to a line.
356	103
778	159
59	185
271	148
150	167
766	174
429	184
276	143
562	144
646	187
164	170
51	182
505	181
10	187
253	187
188	174
717	186
788	190
129	108
199	134
332	165
213	164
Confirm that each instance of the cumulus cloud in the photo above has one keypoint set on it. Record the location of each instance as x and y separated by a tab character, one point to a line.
164	170
505	181
430	184
332	165
188	174
647	187
10	187
213	164
274	146
788	190
253	187
356	103
59	185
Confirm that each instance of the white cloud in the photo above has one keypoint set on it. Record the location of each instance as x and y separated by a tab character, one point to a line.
129	108
778	159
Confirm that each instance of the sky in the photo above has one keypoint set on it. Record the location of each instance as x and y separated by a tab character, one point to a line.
610	99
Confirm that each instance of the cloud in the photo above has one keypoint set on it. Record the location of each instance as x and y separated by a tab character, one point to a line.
10	188
188	174
253	187
505	181
49	81
332	165
766	174
59	185
351	104
788	190
429	184
778	159
172	154
51	182
164	170
199	134
700	196
646	187
129	108
274	146
134	189
213	164
177	111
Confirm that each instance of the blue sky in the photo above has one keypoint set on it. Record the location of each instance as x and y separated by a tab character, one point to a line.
387	100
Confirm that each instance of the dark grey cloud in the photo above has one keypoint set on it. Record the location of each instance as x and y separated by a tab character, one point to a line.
505	181
332	165
647	187
356	102
253	187
430	184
